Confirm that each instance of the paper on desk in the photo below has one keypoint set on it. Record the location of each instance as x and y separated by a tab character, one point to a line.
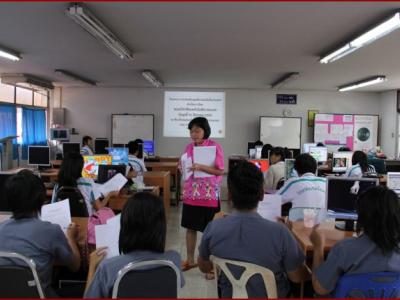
205	156
186	164
113	184
107	235
271	207
57	213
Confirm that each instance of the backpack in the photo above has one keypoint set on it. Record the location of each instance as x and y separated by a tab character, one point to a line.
100	217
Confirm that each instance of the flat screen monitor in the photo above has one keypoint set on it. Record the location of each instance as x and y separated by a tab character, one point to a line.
262	164
39	156
306	147
148	147
341	161
393	181
59	134
106	172
320	154
70	148
119	155
100	146
91	164
342	193
4	206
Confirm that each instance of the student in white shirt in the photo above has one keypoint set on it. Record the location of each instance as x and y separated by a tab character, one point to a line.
277	169
134	161
307	190
87	145
359	166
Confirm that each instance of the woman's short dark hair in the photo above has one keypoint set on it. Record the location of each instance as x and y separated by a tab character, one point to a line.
378	211
278	151
305	163
25	194
86	139
70	170
265	150
245	185
203	124
359	157
143	224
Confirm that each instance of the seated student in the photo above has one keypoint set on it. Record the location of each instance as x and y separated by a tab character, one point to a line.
144	154
135	163
71	175
26	234
376	249
142	237
277	169
246	236
359	166
307	190
87	145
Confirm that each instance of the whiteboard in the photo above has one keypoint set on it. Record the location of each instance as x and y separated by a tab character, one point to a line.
281	131
126	128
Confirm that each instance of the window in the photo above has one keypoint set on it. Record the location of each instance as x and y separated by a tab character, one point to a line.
24	96
40	99
6	93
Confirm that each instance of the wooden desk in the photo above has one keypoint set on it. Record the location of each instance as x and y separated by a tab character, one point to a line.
117	203
332	235
49	175
169	159
161	179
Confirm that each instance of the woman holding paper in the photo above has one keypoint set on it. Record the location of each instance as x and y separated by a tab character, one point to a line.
201	190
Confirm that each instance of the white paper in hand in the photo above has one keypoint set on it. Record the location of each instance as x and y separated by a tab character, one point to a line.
271	207
205	156
114	184
107	235
57	213
186	164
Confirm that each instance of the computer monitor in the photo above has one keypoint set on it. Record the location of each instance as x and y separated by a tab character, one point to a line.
320	154
148	147
341	161
59	134
4	204
306	147
106	172
262	164
341	197
393	181
100	146
91	164
70	148
119	155
289	168
39	156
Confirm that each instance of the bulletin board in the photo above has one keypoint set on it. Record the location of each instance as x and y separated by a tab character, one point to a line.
358	132
281	131
128	127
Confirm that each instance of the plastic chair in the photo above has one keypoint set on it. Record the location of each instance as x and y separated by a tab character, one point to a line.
76	200
148	279
239	285
369	285
19	281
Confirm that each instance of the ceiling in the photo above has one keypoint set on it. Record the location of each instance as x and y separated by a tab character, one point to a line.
204	45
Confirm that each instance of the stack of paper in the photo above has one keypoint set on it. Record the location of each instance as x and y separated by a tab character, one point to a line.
205	156
57	213
107	235
271	207
114	184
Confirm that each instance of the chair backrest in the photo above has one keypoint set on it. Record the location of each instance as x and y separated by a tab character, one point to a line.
148	279
297	214
76	200
239	285
19	281
379	165
369	285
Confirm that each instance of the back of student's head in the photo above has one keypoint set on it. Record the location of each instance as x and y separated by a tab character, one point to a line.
265	150
319	144
344	149
25	194
305	163
133	147
143	224
359	157
378	211
86	139
278	151
245	185
70	170
258	143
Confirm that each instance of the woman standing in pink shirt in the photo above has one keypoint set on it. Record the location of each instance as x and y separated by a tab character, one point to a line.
201	195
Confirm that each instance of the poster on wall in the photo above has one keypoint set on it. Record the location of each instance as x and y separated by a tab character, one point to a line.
181	107
364	127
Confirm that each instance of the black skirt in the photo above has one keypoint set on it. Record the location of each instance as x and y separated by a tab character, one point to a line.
197	217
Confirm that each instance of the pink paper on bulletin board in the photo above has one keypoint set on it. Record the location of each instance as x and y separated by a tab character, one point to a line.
338	120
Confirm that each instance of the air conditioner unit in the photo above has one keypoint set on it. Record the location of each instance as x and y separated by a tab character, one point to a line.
27	81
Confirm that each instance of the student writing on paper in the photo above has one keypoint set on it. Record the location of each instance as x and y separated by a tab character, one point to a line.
70	175
26	234
142	237
246	236
200	195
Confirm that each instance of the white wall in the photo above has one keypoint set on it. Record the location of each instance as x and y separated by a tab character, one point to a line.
89	111
389	123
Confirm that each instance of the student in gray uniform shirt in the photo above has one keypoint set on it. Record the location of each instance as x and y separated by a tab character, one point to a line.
376	249
26	234
246	236
142	237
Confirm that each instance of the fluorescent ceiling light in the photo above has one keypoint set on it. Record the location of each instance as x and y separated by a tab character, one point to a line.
151	77
364	39
96	28
9	54
362	83
74	76
285	79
